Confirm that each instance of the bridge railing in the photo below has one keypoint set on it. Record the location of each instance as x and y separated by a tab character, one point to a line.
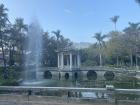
110	91
96	68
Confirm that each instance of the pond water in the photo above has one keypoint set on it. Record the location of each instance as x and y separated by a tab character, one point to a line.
128	83
121	82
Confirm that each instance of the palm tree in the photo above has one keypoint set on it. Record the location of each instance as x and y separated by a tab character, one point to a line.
3	22
114	19
58	36
100	43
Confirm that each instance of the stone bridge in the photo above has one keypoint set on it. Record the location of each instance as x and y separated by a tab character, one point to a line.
84	73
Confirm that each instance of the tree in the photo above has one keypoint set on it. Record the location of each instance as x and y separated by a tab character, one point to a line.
89	56
62	43
19	34
13	44
133	35
50	45
114	19
100	43
138	1
65	43
115	46
3	23
58	35
49	50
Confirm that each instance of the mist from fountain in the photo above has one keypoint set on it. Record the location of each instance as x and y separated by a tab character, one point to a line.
33	53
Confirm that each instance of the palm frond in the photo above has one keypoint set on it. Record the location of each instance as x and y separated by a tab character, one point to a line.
114	19
57	34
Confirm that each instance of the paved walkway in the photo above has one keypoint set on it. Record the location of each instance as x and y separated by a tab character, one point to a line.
44	100
41	100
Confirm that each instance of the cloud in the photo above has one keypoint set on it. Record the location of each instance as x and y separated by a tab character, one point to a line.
67	11
89	13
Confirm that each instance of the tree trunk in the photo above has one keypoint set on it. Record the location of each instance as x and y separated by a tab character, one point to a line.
3	57
131	60
21	55
13	51
117	61
136	47
100	54
136	59
3	54
115	26
100	59
10	56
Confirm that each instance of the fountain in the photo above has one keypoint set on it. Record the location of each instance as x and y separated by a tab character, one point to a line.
33	55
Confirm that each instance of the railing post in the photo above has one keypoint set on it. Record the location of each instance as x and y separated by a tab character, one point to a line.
111	91
29	94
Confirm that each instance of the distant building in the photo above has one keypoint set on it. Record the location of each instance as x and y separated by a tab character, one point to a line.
81	45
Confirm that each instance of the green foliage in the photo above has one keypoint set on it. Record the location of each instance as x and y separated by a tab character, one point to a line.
138	1
89	56
122	49
3	30
100	44
127	96
12	76
50	46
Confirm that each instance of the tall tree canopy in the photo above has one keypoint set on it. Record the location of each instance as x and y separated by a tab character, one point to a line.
138	1
3	25
100	43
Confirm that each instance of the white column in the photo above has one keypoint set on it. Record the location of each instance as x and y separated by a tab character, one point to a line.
67	61
70	61
78	61
62	60
75	60
58	59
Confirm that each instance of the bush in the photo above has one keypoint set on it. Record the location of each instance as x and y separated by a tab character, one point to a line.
9	76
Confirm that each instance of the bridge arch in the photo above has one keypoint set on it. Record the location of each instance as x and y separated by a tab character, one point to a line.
109	75
47	75
91	75
76	75
67	76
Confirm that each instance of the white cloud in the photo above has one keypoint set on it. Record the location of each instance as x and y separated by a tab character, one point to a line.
67	11
89	13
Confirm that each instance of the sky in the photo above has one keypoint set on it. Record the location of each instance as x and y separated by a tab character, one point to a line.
78	20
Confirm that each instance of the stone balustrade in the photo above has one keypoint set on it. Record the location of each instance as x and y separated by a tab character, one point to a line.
29	99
